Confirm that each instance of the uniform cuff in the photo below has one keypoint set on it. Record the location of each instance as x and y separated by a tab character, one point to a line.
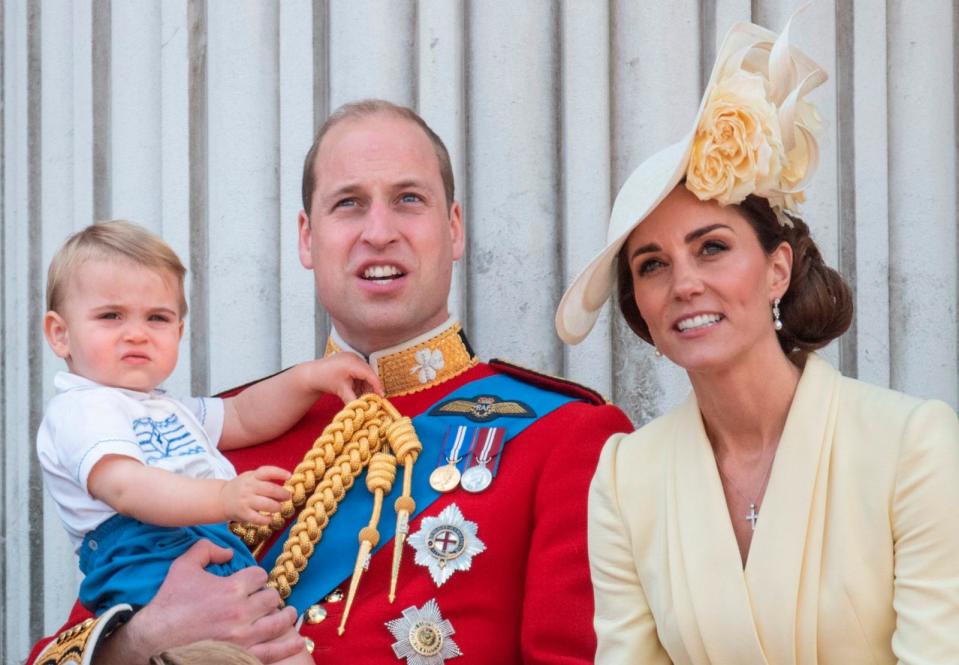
78	644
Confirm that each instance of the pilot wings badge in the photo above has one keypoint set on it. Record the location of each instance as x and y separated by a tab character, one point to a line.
483	408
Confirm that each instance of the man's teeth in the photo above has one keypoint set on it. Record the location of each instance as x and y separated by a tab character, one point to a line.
698	321
381	272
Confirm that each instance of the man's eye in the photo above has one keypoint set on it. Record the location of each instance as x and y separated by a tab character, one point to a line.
411	198
345	203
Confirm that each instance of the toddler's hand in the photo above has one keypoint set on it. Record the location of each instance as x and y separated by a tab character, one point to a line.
344	374
251	494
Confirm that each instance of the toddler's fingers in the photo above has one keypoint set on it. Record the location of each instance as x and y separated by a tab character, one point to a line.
256	517
271	473
346	393
271	491
264	505
372	381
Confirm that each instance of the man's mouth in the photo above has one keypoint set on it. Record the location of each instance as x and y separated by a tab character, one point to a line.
382	274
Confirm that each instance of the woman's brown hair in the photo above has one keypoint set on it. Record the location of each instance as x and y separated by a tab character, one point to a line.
817	307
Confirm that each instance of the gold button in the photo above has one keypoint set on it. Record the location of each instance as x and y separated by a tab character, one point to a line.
309	645
334	596
315	614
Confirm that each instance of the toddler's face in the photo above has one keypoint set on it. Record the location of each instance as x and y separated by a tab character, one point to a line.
120	325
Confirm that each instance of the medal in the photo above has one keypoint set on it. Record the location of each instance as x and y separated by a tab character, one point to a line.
478	477
446	477
446	544
423	636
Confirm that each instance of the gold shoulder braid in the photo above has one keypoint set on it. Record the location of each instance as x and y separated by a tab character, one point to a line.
76	645
352	441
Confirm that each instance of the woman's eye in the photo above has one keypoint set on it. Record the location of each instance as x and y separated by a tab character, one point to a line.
649	266
711	247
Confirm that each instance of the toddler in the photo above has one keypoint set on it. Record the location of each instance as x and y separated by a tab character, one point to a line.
137	475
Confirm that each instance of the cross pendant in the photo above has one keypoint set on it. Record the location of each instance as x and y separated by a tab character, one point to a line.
752	516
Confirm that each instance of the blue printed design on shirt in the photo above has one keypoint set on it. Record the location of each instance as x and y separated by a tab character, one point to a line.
164	438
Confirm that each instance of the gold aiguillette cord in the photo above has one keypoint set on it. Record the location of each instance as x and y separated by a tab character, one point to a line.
379	481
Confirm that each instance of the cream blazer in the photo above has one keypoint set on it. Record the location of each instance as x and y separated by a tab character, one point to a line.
855	558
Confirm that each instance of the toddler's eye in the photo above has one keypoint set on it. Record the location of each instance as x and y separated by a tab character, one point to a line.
109	316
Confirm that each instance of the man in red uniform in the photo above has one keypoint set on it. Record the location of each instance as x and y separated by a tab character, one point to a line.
495	566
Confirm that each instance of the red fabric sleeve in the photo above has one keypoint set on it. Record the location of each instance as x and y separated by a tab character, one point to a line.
77	615
557	619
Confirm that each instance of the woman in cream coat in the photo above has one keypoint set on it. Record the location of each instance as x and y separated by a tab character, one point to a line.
783	514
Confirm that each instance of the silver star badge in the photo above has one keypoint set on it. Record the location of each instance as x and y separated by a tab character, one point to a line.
423	636
446	543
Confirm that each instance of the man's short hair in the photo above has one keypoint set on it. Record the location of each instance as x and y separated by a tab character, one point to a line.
366	108
106	241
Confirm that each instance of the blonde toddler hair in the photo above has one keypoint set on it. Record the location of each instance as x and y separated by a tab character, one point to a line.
105	241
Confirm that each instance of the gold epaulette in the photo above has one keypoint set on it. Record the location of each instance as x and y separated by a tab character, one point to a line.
75	646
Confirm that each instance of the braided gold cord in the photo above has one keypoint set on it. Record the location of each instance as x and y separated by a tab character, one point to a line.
315	465
379	481
327	472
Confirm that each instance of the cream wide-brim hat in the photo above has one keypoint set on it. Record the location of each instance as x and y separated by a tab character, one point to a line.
789	73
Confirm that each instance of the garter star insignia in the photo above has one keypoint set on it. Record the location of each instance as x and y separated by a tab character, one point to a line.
446	543
483	408
423	636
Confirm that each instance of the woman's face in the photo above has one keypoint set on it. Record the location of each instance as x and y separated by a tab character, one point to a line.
703	283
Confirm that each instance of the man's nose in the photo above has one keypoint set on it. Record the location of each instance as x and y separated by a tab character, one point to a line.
379	228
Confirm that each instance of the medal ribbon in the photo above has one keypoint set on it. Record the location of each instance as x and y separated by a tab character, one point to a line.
492	442
332	560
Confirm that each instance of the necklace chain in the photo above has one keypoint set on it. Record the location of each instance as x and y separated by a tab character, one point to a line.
753	515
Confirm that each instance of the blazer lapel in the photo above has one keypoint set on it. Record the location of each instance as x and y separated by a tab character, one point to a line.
712	605
783	568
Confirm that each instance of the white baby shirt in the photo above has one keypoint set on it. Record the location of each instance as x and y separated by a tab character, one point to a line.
86	421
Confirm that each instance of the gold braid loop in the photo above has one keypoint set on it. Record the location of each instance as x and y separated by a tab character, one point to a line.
318	484
313	519
406	446
316	463
379	481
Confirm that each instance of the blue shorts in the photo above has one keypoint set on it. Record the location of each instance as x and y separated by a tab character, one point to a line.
126	561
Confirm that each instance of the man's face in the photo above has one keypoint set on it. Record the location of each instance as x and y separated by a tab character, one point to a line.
380	238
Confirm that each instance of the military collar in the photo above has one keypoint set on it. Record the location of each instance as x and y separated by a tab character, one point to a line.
419	364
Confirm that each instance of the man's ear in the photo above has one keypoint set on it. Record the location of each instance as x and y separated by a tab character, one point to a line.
780	269
457	231
305	240
58	337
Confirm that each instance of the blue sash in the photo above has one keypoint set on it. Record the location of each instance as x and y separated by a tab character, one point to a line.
334	556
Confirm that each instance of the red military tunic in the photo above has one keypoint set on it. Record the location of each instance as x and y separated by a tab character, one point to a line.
527	598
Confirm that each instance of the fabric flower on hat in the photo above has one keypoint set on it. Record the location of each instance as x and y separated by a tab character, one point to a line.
756	132
737	150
